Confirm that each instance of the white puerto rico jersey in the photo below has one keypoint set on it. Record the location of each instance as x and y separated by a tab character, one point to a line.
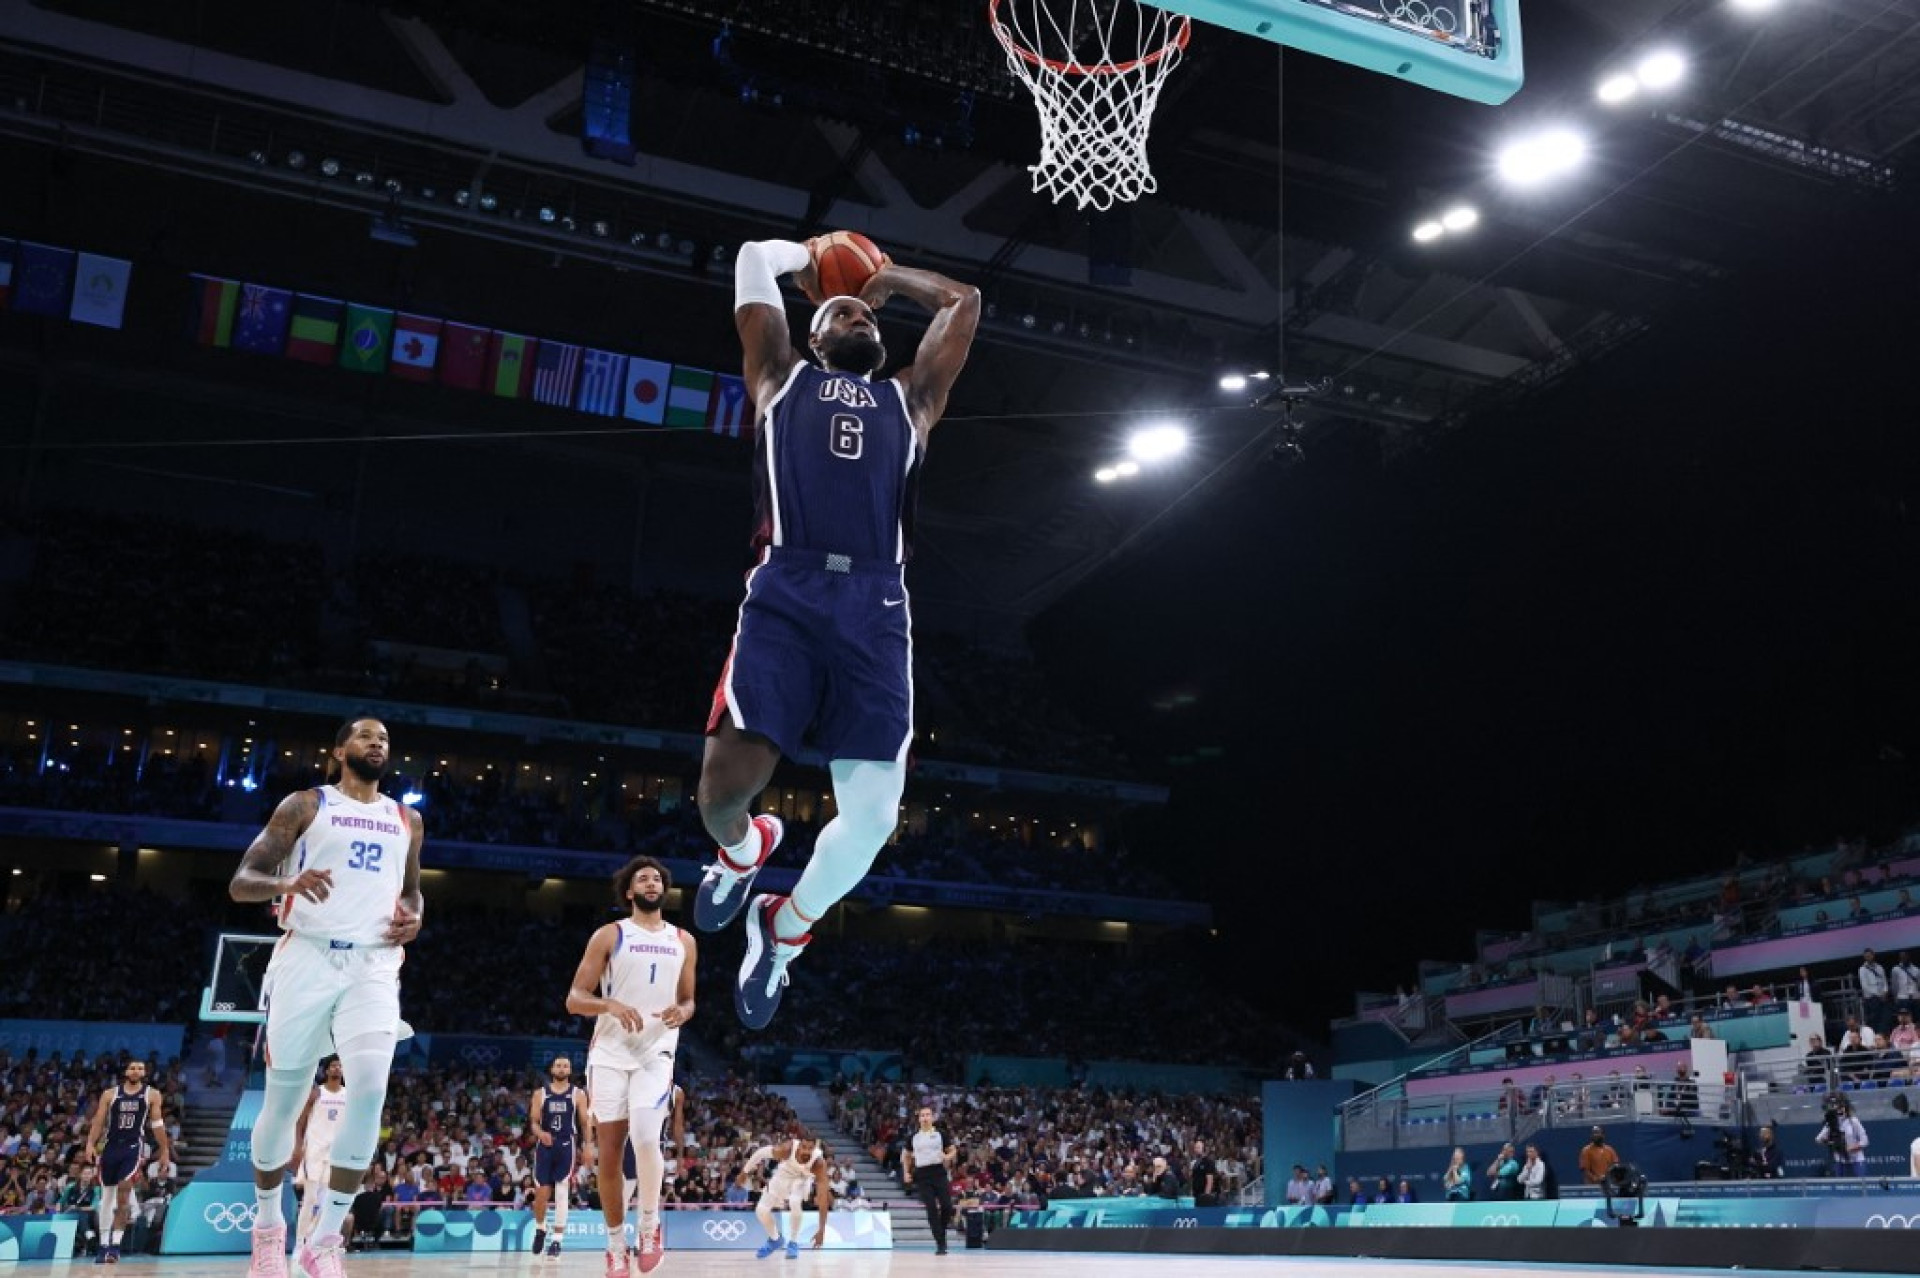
323	1123
365	845
643	971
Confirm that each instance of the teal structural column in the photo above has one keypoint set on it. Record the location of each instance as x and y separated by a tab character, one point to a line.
1299	1121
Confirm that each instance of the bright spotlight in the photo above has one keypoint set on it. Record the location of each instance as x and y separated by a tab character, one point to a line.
1126	469
1545	155
1106	474
1233	382
1428	231
1460	217
1661	69
1753	6
412	798
1616	89
1155	443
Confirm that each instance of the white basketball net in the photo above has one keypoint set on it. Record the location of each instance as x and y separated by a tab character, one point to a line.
1094	68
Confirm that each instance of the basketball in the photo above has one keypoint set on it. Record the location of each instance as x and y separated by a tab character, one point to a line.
844	261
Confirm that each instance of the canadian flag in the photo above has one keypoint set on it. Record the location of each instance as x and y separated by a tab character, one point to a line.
416	347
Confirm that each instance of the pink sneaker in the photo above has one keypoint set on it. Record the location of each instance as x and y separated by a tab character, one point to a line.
651	1250
617	1264
321	1257
269	1253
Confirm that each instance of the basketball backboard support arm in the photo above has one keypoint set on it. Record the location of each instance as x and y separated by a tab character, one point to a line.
1467	48
237	991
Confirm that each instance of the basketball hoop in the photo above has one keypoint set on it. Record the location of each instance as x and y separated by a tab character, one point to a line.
1094	68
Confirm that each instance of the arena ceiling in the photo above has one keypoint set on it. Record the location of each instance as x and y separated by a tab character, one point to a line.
1279	240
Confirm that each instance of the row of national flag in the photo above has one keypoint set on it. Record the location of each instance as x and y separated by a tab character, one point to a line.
45	279
263	320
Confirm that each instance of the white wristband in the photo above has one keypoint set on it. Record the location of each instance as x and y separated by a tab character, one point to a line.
758	267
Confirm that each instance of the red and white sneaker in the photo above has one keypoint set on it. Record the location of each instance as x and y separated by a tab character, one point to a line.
723	888
269	1253
617	1263
652	1249
324	1257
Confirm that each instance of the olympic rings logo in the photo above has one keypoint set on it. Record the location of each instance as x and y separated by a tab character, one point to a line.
1186	1222
1500	1221
1428	17
227	1217
724	1230
1888	1221
479	1054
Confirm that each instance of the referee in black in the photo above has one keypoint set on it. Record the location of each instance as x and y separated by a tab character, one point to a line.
924	1161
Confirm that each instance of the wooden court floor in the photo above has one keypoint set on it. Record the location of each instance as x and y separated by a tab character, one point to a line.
871	1264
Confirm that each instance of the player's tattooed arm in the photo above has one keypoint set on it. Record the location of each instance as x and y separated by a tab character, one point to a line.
259	877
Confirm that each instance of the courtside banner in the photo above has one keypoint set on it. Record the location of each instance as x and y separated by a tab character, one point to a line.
38	1237
490	1229
214	1214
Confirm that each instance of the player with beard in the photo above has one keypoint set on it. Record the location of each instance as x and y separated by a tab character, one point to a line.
128	1114
559	1112
344	861
637	977
822	656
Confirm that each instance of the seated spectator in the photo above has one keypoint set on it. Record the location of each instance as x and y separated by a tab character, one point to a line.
1700	1029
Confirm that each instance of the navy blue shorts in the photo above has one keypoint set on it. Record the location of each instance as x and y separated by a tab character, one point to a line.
552	1163
118	1163
822	663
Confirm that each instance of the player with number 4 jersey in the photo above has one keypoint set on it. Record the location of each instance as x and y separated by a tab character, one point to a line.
822	658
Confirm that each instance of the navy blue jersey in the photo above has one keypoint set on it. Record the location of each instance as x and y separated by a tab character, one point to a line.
127	1121
556	1116
837	467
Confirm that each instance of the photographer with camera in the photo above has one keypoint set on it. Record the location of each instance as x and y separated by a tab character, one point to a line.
1844	1136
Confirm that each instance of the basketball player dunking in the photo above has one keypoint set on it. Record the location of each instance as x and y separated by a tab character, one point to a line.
563	1127
313	1143
796	1163
822	656
127	1112
637	978
351	901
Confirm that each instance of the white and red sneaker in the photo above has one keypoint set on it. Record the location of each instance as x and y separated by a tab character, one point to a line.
324	1257
652	1249
723	888
269	1253
617	1263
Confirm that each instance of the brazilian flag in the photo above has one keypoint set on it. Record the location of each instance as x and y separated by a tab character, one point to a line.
368	339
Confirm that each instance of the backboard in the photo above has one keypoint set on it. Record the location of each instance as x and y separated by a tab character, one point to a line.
236	991
1467	48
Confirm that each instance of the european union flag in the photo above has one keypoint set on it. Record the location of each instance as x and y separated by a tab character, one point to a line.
43	280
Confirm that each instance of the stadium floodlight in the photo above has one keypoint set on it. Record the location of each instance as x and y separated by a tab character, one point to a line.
1157	443
1752	6
1460	217
1233	382
547	213
329	167
1126	469
1106	475
412	798
1428	231
1542	156
1617	88
1660	69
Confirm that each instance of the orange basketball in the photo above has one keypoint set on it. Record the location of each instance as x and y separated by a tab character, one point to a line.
844	261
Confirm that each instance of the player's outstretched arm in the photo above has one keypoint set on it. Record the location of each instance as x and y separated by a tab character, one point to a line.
822	1201
259	877
943	348
760	312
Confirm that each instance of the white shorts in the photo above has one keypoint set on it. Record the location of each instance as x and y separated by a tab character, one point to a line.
619	1092
318	996
786	1191
314	1171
